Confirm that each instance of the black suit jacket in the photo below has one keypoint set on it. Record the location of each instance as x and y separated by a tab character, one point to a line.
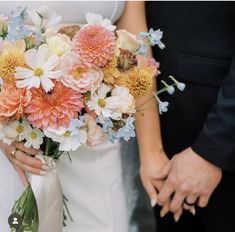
200	48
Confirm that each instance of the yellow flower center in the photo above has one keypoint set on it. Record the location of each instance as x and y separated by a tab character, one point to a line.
67	134
38	72
20	129
34	135
101	103
9	61
78	71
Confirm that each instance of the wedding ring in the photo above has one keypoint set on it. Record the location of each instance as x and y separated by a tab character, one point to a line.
13	154
188	204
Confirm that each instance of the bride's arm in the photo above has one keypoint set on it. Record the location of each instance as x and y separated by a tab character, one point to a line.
152	155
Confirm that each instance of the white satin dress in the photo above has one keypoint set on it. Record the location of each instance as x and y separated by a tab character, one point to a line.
93	181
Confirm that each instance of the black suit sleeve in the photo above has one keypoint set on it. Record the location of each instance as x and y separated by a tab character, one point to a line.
216	141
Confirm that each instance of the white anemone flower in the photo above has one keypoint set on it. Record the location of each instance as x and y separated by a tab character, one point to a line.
97	19
67	139
34	138
45	20
107	107
40	71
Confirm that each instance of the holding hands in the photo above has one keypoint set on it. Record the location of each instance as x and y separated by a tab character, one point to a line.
180	183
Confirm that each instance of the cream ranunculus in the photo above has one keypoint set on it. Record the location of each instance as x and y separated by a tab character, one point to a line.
58	44
127	41
3	25
127	101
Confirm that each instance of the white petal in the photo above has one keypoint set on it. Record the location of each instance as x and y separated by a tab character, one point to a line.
103	90
30	57
23	73
47	84
31	82
51	63
54	74
41	56
93	18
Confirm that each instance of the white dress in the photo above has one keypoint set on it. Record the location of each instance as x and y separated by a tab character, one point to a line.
93	181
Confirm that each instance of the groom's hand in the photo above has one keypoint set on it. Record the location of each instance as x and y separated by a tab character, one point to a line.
190	178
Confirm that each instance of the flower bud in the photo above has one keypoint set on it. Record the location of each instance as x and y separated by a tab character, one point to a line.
3	26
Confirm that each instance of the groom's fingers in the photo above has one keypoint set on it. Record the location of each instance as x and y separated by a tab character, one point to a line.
203	201
177	201
166	192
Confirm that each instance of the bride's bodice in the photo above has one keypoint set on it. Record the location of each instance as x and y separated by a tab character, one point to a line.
71	11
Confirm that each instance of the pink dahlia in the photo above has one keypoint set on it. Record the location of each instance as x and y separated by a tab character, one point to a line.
94	44
78	75
54	109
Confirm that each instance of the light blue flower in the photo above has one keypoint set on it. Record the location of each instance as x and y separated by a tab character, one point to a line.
128	130
162	106
181	86
154	37
170	89
112	135
105	122
74	126
17	29
143	48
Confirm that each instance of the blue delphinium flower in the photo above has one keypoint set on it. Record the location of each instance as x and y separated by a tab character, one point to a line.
74	126
154	37
162	106
105	122
128	130
112	135
17	29
181	86
143	48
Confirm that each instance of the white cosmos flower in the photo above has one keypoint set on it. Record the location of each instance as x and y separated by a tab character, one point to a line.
98	19
105	106
15	131
44	19
67	139
34	138
40	71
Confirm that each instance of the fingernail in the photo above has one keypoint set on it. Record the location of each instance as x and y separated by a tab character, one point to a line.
153	202
45	168
162	214
42	173
193	211
177	218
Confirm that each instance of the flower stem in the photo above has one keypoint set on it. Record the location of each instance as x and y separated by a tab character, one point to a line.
47	147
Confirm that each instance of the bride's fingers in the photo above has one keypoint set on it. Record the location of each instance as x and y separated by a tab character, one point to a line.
191	209
22	176
165	209
29	161
178	214
151	191
29	169
29	151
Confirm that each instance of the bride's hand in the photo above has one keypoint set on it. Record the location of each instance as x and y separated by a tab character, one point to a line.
150	165
23	160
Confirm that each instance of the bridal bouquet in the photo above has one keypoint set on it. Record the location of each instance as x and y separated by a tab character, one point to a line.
59	92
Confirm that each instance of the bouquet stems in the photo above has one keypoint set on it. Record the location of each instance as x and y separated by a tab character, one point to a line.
26	207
